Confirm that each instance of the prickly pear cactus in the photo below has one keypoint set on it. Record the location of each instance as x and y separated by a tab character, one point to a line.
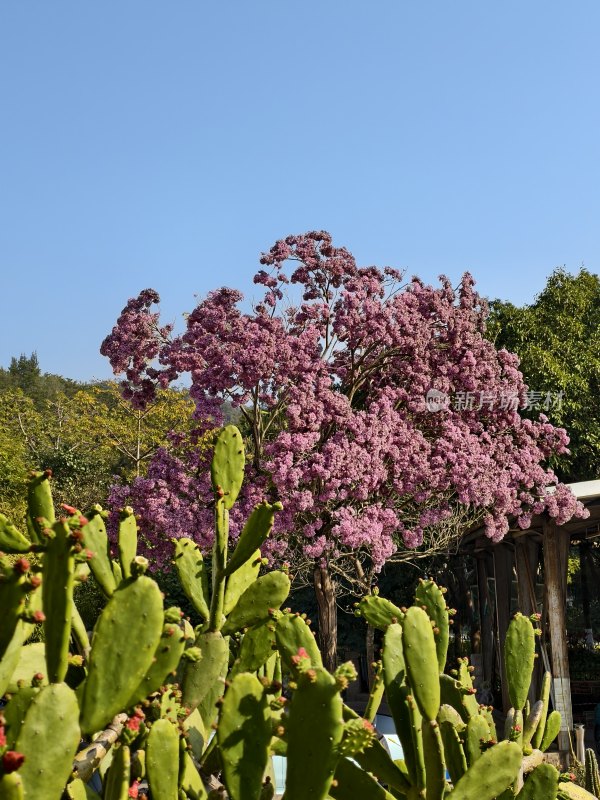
48	738
313	750
227	467
244	733
519	655
592	775
162	760
126	637
251	671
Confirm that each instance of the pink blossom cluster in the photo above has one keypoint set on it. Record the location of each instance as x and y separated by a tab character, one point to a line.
332	397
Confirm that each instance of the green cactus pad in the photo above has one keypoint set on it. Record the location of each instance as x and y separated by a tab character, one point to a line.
200	676
192	574
541	784
421	661
416	729
312	749
240	580
256	649
397	690
491	774
452	693
11	539
48	738
127	541
266	593
10	659
378	612
376	760
116	786
227	466
571	791
116	571
32	661
39	505
351	782
516	734
14	713
57	594
167	655
194	726
519	655
375	694
551	730
449	714
254	533
429	595
244	734
592	774
456	761
435	765
486	713
545	699
208	705
532	722
13	593
125	640
162	760
95	540
292	633
189	778
11	787
476	734
509	722
79	631
78	790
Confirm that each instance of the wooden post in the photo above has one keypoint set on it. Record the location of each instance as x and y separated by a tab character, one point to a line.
503	572
485	619
556	550
584	559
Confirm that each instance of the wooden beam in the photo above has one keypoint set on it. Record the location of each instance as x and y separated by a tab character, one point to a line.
556	550
485	620
503	572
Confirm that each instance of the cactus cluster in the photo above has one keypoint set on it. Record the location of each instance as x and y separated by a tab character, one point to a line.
198	714
449	740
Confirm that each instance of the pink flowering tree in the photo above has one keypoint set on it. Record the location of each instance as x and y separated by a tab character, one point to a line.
377	412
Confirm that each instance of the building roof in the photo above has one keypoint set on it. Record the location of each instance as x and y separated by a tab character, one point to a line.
588	492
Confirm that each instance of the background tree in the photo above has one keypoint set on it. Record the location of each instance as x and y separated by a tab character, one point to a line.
332	392
86	436
557	340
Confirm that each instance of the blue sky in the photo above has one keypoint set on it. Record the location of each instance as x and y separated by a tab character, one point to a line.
167	144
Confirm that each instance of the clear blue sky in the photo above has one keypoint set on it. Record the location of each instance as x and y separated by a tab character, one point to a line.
167	144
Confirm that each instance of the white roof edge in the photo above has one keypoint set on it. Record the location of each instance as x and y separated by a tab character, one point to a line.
585	489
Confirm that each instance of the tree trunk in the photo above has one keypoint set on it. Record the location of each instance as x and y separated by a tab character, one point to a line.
327	615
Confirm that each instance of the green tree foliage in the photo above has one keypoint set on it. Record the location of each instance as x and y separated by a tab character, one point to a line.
24	373
557	338
86	434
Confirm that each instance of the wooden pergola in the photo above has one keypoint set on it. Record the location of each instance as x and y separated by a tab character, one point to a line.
544	548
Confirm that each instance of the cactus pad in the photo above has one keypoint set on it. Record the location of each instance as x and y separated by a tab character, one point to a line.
244	734
227	466
125	639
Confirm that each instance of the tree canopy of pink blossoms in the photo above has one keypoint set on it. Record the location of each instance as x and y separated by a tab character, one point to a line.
332	393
